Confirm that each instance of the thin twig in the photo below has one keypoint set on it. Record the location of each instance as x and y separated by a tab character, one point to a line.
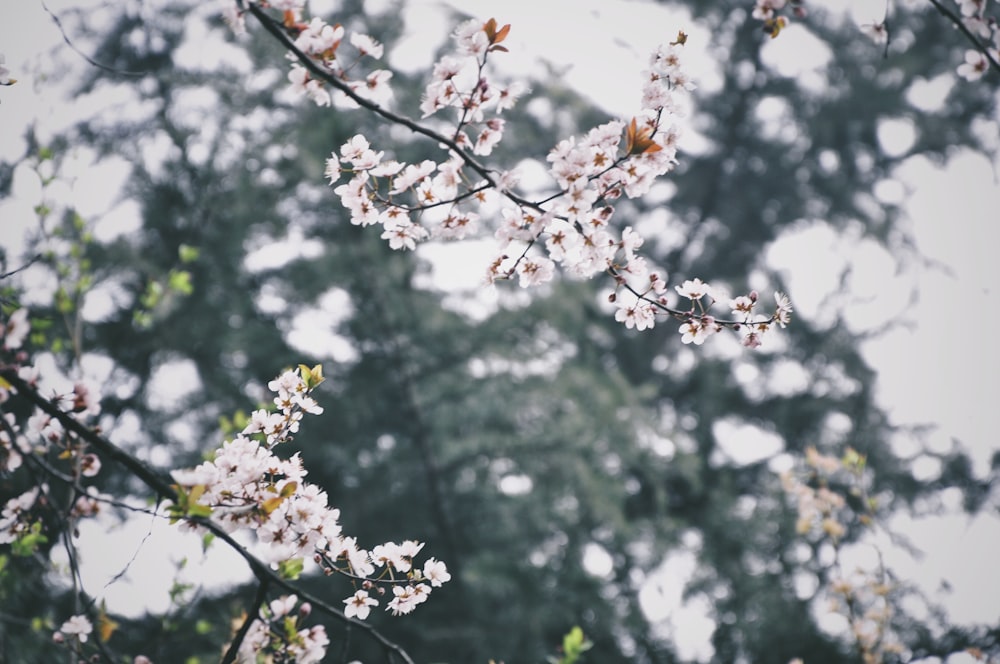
55	19
31	262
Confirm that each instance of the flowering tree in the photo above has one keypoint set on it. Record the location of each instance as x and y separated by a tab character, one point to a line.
972	19
247	485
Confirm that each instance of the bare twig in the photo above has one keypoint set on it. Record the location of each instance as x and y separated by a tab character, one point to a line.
95	63
31	262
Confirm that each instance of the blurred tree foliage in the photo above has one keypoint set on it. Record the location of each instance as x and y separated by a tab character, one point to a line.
520	444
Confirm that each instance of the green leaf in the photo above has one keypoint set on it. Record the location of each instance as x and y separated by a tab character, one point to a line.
27	544
187	253
291	569
313	376
179	281
64	303
291	631
154	291
178	589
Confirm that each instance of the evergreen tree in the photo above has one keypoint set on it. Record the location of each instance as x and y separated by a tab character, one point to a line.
526	445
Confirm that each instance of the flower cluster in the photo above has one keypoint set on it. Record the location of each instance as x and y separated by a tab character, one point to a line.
248	487
449	199
771	13
571	228
322	43
77	627
861	595
14	330
864	596
698	324
42	435
276	632
818	506
17	524
975	20
415	202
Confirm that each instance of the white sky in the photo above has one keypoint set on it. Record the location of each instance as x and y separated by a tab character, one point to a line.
939	370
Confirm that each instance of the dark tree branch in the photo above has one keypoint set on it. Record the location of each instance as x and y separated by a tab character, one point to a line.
252	613
279	33
973	39
164	489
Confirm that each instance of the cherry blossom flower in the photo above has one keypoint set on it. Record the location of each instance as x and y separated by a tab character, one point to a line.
14	331
403	234
657	283
742	305
972	7
319	37
783	312
974	67
534	271
356	146
765	9
78	626
283	605
639	315
85	399
697	330
90	465
751	339
436	572
508	96
12	518
471	38
404	600
877	32
489	137
10	458
457	225
359	605
412	174
694	289
302	84
366	45
232	16
375	86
